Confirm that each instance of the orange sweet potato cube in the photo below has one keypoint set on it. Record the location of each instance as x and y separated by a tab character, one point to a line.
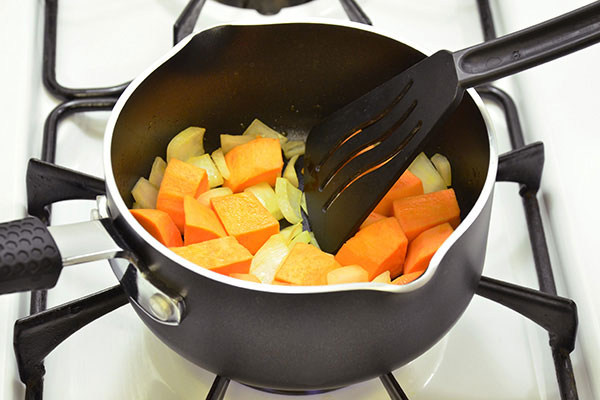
254	162
306	265
180	179
423	247
378	247
223	255
201	222
244	217
160	225
419	213
407	185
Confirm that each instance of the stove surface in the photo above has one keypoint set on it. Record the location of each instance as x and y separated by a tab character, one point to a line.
491	352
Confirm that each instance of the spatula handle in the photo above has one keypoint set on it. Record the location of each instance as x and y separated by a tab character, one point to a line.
529	47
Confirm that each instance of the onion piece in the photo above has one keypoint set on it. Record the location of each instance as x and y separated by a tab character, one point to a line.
441	163
384	277
206	162
135	205
186	144
426	172
158	171
145	193
303	237
313	240
219	160
290	171
292	148
266	195
291	231
288	198
228	142
269	257
259	128
205	197
303	205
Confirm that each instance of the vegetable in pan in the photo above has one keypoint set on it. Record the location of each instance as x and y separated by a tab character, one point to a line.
223	211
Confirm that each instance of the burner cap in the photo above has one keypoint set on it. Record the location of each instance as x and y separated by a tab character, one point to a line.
266	7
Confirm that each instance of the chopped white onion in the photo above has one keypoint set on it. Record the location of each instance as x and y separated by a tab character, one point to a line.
228	142
288	198
205	162
259	128
269	257
291	231
290	171
205	197
303	203
293	148
303	237
144	193
266	195
157	172
186	144
426	172
441	163
219	160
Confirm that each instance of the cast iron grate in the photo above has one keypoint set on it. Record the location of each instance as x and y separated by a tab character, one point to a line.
522	165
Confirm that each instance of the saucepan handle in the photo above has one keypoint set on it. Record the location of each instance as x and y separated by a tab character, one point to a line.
33	255
29	256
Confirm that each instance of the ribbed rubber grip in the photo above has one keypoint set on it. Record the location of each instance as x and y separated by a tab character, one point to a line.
29	257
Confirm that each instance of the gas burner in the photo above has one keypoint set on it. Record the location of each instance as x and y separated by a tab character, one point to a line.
265	7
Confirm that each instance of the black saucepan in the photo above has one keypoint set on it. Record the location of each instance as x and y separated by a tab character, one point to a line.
288	338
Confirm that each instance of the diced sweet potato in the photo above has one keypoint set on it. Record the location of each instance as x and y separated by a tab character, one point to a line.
306	265
378	247
419	213
407	278
421	250
347	274
201	222
223	255
160	225
407	185
372	218
244	217
181	179
257	161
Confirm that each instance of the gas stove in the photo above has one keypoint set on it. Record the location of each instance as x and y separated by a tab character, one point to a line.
492	352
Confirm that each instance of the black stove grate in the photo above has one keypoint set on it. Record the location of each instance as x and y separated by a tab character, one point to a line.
523	165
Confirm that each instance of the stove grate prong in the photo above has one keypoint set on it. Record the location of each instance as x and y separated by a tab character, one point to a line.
37	335
48	183
218	388
355	13
392	387
558	315
524	166
187	20
49	63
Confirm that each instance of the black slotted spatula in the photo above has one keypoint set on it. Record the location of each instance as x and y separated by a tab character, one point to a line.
356	154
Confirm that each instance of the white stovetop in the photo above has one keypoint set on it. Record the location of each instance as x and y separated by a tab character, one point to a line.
491	353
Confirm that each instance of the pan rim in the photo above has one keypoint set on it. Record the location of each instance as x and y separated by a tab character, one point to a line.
124	213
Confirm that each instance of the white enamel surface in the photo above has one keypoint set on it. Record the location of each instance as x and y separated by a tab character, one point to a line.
491	352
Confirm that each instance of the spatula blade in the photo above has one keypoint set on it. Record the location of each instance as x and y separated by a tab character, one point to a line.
347	173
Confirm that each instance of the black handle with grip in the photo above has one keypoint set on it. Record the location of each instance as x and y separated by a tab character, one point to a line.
529	47
29	257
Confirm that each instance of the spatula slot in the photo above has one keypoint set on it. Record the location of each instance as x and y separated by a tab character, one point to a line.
369	140
364	172
350	133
